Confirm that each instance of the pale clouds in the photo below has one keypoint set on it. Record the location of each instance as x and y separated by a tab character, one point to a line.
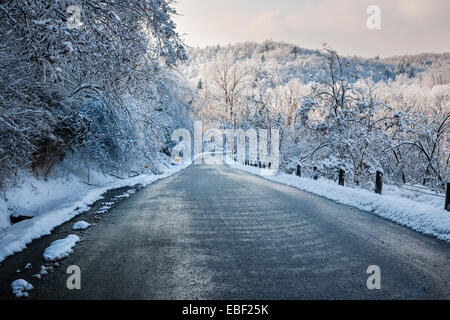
419	9
269	22
408	26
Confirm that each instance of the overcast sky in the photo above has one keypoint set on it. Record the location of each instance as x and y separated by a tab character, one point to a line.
407	26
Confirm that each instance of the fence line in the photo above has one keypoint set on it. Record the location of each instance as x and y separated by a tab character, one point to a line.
379	183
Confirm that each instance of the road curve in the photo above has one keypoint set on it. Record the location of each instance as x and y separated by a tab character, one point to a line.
212	232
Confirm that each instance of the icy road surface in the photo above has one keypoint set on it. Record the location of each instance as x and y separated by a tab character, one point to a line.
212	232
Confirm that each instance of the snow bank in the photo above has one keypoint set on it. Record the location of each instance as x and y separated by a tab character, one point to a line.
51	203
61	248
19	288
425	217
81	225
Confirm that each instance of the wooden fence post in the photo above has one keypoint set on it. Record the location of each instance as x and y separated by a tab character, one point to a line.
447	197
316	175
379	183
299	170
341	177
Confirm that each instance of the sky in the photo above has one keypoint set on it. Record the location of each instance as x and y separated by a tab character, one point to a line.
407	26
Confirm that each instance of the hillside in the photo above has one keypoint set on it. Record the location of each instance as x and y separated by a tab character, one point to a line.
278	62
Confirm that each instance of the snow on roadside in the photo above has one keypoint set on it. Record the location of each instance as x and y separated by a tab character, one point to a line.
61	248
20	287
54	202
127	194
44	271
424	217
81	225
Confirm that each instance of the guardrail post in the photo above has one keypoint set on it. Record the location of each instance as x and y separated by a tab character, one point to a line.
447	197
270	164
299	171
341	177
316	175
379	182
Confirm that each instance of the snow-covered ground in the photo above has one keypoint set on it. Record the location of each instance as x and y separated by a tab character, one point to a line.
20	287
80	225
54	202
425	214
61	248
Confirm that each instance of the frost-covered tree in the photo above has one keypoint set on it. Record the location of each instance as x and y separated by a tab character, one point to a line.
347	120
74	73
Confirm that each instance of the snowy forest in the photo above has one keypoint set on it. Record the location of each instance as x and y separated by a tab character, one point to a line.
361	115
102	89
94	87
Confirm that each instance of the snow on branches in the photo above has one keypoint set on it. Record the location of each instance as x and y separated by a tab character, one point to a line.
52	66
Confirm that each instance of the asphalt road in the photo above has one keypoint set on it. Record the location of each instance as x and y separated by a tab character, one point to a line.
212	232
